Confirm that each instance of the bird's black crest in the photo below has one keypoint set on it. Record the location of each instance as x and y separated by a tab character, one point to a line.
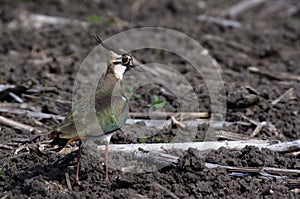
99	40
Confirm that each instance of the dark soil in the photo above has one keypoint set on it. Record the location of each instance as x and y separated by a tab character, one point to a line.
269	41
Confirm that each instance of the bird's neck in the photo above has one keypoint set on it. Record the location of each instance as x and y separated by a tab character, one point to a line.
118	70
111	83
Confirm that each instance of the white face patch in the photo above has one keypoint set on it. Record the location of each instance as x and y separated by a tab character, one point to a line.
119	71
123	98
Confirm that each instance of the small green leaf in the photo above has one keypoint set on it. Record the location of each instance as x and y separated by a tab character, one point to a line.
95	18
143	140
159	105
137	97
219	116
156	99
129	89
2	169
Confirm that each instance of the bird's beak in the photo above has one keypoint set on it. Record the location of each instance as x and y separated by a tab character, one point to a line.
130	67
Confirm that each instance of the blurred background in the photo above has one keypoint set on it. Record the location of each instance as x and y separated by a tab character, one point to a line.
255	42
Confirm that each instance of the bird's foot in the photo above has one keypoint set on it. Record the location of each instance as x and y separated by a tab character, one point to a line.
78	182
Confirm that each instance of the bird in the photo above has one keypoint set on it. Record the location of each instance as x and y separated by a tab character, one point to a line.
110	106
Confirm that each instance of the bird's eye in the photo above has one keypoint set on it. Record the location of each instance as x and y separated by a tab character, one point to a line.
125	59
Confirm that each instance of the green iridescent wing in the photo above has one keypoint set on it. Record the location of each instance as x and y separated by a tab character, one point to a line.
111	114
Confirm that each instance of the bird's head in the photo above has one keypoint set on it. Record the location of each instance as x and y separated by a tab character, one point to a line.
120	63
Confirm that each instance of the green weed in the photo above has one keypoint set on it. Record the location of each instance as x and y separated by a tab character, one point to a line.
143	140
157	103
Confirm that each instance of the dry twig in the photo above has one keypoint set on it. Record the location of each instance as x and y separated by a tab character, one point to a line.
18	105
6	86
258	170
201	146
296	190
275	76
68	181
243	6
31	113
287	93
16	125
231	136
204	146
166	115
259	126
4	146
285	146
16	97
47	98
219	21
180	124
30	20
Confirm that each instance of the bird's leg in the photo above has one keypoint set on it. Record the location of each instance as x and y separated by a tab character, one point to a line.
78	163
106	160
